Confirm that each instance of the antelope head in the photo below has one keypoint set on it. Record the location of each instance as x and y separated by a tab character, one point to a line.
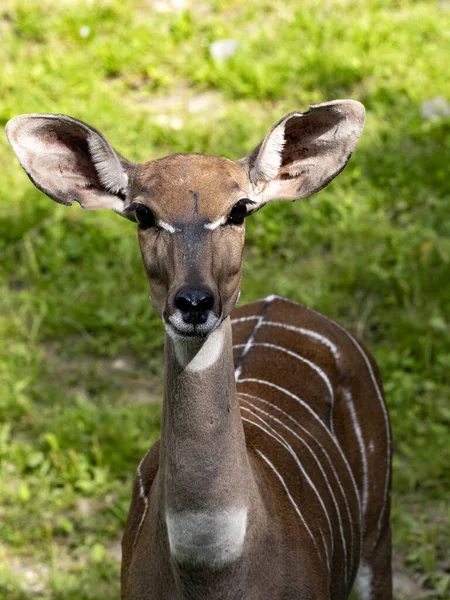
190	208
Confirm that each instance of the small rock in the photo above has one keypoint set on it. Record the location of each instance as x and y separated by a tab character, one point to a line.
170	121
166	6
85	31
222	49
435	108
121	364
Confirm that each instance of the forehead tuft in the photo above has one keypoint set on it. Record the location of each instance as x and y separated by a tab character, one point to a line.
182	186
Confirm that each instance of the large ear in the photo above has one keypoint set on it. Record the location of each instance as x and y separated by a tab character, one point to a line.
69	160
303	152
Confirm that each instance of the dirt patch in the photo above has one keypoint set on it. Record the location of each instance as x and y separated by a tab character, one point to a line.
123	378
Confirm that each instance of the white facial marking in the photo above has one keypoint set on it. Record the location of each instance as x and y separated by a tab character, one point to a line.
363	583
167	227
215	224
198	356
207	538
180	329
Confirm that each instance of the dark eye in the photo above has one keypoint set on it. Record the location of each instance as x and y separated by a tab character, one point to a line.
144	216
238	213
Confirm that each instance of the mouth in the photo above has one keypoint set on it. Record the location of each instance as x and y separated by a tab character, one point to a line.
189	332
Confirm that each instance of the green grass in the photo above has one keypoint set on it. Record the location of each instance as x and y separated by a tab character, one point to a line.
372	250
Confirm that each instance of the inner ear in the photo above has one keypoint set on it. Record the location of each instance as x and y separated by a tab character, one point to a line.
69	160
303	152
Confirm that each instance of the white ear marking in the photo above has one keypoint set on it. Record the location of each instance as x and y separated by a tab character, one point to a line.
303	152
108	167
269	157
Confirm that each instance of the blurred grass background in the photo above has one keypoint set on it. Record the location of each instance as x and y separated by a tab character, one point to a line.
80	350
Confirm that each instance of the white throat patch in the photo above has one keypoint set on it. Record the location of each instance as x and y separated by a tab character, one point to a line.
207	538
195	357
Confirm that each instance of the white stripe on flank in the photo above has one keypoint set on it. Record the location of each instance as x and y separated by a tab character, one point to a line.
215	224
309	332
335	351
143	496
317	418
319	371
362	449
324	475
248	345
279	438
325	453
385	415
291	499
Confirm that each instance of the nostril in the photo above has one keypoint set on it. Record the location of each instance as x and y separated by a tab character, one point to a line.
194	305
206	303
183	303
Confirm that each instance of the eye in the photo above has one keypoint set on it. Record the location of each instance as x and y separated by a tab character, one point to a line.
238	213
144	216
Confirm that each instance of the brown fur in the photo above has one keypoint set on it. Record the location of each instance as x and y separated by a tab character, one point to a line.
279	562
285	444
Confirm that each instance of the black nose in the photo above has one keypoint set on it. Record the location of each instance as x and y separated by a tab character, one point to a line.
194	304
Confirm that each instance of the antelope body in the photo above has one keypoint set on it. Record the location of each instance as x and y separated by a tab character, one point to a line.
271	480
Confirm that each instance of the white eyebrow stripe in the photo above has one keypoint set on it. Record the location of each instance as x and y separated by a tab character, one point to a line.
167	227
215	224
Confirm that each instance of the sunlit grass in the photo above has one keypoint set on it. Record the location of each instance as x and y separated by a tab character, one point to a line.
372	250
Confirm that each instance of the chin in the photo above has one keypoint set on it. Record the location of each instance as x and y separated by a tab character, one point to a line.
188	333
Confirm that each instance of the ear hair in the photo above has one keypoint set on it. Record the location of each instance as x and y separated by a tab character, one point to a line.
270	153
107	165
69	160
303	152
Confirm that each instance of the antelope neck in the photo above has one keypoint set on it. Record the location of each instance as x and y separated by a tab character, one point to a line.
204	466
